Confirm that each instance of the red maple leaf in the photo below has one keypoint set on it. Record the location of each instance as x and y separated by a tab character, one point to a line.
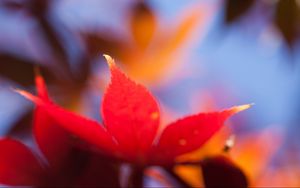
131	122
63	165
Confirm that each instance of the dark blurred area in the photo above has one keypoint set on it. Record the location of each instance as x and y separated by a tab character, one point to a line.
283	14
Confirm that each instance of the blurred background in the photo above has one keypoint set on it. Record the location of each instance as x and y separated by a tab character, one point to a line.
194	56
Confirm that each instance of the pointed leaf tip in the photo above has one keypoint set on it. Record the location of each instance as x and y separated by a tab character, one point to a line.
240	108
28	95
41	85
21	92
110	61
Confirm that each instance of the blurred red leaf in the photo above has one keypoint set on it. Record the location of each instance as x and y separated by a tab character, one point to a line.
55	150
18	166
67	163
